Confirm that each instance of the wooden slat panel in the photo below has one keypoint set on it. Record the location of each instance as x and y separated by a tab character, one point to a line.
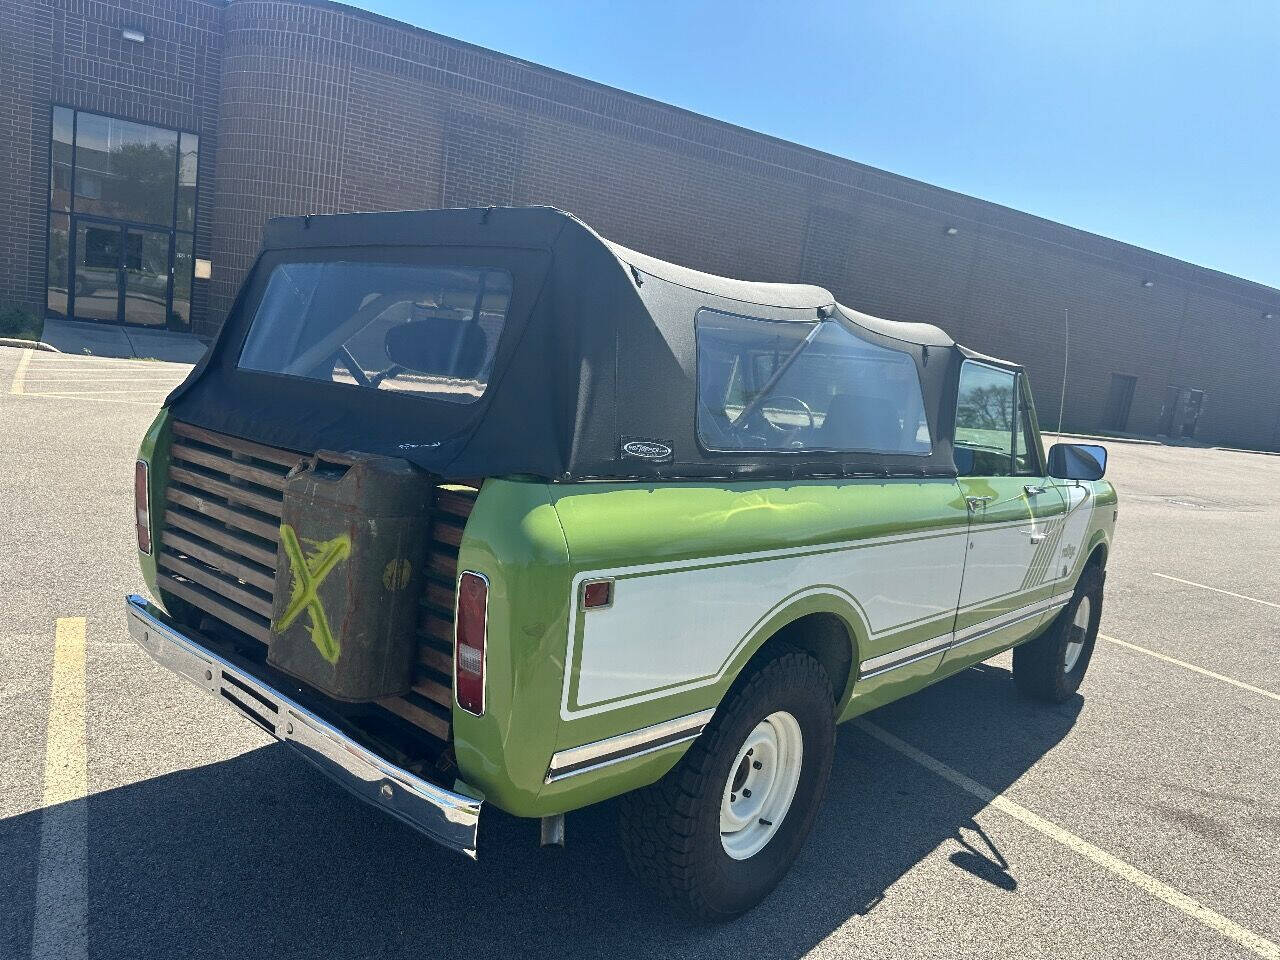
440	596
258	501
234	543
245	471
446	533
437	628
228	564
433	689
443	566
234	516
455	502
436	659
283	457
436	726
228	613
216	582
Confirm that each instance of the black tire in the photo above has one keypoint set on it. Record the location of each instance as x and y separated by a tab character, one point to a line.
1040	665
671	830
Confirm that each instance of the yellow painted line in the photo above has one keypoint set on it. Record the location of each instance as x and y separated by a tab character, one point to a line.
1191	666
1125	871
20	373
61	920
1205	586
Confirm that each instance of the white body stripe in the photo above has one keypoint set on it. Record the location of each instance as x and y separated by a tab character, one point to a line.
676	626
673	630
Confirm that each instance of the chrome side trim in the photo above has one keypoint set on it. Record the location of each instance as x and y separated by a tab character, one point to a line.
627	746
905	656
451	819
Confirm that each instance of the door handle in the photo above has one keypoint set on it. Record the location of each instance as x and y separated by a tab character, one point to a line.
1034	489
977	503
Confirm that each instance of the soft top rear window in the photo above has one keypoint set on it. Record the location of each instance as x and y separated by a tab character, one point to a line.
427	330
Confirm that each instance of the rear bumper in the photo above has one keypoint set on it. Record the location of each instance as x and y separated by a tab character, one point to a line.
451	819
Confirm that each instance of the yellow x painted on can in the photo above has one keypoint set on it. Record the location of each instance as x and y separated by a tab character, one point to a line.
309	571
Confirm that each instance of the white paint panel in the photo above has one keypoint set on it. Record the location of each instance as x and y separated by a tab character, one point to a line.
680	628
1079	516
998	562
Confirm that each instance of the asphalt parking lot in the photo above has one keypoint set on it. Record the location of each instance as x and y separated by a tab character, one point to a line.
139	820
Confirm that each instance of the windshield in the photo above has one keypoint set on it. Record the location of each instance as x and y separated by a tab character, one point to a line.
381	326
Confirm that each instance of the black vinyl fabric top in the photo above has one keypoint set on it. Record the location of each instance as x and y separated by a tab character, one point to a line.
594	373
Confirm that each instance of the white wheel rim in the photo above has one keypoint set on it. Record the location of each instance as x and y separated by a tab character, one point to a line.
1079	630
762	783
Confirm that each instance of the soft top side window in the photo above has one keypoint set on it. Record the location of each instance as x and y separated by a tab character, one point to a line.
786	386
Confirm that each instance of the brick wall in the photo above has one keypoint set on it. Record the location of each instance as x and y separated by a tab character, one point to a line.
329	109
71	52
307	106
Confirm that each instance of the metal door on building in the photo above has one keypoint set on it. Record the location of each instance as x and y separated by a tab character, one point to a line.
1119	402
1180	414
120	272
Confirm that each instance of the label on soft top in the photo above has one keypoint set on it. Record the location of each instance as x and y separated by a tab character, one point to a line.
646	448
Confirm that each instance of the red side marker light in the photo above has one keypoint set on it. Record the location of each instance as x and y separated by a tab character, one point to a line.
597	593
471	625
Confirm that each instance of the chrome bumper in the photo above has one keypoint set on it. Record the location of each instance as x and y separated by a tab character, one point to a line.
449	818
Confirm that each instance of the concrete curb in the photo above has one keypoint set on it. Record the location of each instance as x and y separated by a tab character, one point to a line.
28	344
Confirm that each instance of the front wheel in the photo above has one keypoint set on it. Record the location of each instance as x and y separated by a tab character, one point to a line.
723	827
1051	667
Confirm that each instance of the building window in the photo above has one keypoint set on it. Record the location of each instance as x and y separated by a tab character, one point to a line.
122	217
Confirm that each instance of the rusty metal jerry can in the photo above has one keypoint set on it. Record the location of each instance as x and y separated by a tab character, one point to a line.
350	572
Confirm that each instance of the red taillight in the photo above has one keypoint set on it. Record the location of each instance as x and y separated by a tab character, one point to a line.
471	623
142	505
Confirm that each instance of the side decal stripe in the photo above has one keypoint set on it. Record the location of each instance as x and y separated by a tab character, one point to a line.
627	746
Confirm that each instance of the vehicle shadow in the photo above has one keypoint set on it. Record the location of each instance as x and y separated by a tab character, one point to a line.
260	856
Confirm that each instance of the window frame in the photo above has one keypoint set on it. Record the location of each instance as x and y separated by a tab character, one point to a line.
1029	429
807	450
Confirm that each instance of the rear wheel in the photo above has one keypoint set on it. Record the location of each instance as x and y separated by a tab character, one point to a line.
1051	667
716	834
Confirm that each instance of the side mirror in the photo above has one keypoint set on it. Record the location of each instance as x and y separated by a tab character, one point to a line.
1077	461
438	345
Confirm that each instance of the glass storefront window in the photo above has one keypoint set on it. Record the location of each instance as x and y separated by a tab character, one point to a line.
59	251
122	216
60	159
125	170
188	161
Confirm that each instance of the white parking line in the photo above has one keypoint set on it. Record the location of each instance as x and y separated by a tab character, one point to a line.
103	379
61	922
1205	586
1190	666
1144	881
20	373
76	396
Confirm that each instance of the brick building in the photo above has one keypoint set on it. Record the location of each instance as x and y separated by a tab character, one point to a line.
143	143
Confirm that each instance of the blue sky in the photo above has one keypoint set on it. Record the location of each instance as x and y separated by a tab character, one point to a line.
1156	122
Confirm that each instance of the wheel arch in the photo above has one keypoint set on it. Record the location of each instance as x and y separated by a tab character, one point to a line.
829	632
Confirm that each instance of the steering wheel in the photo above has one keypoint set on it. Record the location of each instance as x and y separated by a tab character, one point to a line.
789	433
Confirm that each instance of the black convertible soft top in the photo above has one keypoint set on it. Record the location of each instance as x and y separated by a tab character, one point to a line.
597	353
